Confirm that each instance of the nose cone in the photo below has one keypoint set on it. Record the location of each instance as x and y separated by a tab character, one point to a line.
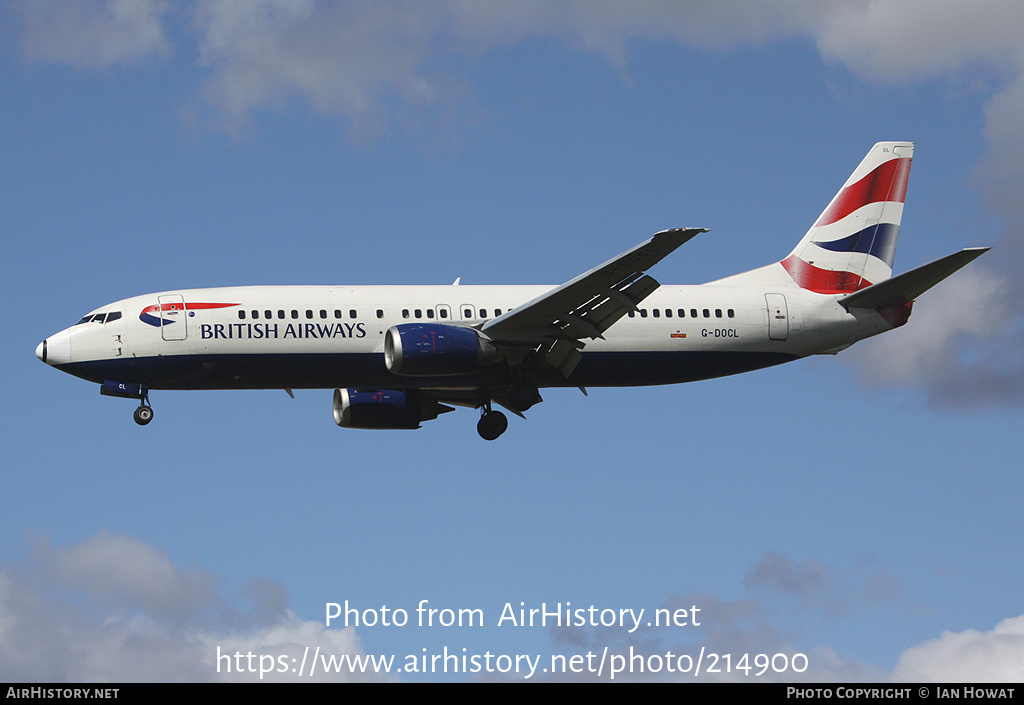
55	350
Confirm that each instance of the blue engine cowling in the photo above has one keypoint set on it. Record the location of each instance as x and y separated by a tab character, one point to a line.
383	409
422	349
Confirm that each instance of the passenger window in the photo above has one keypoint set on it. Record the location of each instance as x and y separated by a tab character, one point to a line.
707	313
352	313
732	314
467	313
268	314
668	313
309	313
656	313
430	313
718	313
443	313
682	313
418	313
337	313
693	313
643	313
323	313
497	312
295	314
241	315
483	313
405	313
380	313
280	313
255	315
632	314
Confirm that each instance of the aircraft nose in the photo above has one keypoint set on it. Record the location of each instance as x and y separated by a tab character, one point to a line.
55	350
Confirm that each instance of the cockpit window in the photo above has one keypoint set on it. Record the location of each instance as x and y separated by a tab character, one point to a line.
100	318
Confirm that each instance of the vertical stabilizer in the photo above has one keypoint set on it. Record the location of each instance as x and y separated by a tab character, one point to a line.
852	243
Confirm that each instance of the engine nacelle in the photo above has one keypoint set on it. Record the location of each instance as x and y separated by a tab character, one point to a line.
422	350
384	409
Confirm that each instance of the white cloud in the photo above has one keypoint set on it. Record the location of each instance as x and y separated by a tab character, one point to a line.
364	61
812	584
899	40
61	622
351	58
368	61
356	59
785	605
120	569
113	608
93	33
940	351
968	656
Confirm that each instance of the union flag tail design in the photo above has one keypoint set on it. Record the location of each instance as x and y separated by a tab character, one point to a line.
852	243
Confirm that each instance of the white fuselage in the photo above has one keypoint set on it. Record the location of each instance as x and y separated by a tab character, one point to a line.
323	337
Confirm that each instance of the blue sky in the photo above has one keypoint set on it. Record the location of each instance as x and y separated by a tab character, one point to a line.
860	509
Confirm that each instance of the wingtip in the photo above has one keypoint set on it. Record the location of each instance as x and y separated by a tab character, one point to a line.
680	232
683	230
973	253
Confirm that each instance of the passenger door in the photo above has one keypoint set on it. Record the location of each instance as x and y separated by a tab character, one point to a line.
778	317
173	319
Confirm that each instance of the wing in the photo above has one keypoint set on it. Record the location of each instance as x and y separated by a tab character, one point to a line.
556	323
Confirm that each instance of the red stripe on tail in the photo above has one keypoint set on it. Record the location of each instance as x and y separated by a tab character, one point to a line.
888	182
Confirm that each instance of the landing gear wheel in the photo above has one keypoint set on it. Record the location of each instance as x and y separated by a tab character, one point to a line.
143	415
491	425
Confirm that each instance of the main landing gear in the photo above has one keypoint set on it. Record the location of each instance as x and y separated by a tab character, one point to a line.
491	424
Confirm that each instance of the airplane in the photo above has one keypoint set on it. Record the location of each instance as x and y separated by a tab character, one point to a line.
397	356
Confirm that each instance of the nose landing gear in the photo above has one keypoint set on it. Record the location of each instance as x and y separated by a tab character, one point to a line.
131	390
144	414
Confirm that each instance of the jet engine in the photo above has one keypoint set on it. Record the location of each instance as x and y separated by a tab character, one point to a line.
422	350
384	408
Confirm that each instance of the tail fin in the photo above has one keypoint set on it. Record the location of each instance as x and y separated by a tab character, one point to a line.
852	244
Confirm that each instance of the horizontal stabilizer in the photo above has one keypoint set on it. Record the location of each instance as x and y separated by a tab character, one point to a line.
904	288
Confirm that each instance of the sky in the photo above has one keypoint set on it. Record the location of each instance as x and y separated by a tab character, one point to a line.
853	518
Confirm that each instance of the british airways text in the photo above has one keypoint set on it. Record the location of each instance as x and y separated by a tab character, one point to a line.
274	331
